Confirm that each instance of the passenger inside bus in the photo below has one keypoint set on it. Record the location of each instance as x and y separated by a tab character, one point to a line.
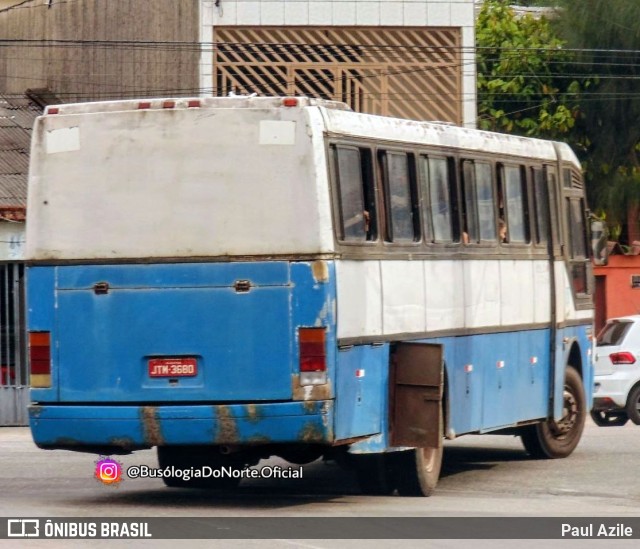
502	230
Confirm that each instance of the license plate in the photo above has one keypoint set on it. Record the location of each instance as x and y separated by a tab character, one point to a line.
173	367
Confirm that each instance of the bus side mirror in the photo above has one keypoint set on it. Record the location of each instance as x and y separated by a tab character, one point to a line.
599	237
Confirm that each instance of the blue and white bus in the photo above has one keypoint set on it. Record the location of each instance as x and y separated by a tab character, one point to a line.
229	279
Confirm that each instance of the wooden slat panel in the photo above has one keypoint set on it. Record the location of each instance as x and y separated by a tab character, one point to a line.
404	72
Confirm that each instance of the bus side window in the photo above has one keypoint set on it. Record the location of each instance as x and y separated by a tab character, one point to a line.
469	211
486	202
353	176
552	180
437	188
479	209
577	244
400	197
514	193
540	206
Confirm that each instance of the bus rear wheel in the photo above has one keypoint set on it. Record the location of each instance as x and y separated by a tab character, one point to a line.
552	439
418	471
375	472
186	457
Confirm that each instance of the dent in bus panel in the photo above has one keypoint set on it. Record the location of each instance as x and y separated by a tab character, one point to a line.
277	132
481	293
444	295
359	294
542	291
362	377
465	361
41	292
403	299
516	292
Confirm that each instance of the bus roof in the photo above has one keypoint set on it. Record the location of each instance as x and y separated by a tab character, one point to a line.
232	102
341	120
349	123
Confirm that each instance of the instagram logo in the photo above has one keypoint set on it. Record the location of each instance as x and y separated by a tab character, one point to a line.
108	471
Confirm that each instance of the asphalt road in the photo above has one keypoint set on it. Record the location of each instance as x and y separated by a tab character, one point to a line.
483	476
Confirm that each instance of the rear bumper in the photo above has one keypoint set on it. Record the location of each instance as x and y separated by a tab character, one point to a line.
610	392
120	429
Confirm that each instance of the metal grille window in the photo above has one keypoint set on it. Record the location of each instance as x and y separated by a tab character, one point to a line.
406	72
14	378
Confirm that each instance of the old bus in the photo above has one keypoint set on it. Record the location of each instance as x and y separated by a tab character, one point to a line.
228	279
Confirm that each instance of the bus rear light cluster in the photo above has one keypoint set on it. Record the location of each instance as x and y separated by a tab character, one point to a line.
313	356
40	358
170	104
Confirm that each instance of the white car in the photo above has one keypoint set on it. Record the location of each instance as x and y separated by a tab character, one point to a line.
617	373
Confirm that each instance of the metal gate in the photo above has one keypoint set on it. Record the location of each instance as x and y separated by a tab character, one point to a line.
14	377
406	72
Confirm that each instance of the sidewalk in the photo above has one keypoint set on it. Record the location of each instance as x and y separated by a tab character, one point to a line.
14	434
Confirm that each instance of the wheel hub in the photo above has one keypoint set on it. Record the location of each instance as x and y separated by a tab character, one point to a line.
569	415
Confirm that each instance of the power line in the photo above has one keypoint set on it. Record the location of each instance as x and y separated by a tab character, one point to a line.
206	46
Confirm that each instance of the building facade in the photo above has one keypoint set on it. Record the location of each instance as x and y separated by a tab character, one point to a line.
399	58
618	287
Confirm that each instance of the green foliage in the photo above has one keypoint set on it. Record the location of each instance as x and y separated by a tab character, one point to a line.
519	60
605	35
574	78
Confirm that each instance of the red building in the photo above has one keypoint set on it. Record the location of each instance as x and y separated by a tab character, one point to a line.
618	286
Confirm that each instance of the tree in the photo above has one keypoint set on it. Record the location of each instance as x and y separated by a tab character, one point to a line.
605	35
522	68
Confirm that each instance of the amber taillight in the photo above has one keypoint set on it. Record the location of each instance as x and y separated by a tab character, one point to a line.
313	356
40	358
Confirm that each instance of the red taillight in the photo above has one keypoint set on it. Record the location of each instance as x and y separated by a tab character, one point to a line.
622	358
313	354
168	104
290	102
53	110
144	105
193	103
40	358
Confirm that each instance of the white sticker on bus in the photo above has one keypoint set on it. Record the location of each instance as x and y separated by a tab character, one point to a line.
63	140
277	132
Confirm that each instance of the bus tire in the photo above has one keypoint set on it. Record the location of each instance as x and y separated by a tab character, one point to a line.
375	473
185	457
552	439
609	419
633	405
419	471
